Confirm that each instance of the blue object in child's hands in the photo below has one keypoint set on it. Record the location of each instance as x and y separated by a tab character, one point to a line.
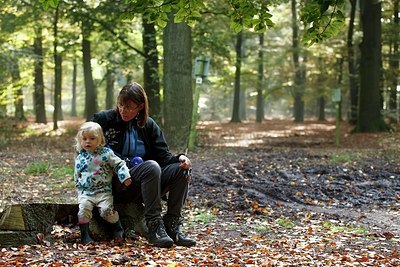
136	161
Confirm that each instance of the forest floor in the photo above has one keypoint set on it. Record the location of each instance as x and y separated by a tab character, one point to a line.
272	194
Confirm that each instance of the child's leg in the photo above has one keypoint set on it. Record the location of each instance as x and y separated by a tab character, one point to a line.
106	207
107	212
86	205
84	215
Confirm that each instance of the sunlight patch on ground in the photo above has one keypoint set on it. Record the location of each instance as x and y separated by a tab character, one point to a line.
230	135
35	129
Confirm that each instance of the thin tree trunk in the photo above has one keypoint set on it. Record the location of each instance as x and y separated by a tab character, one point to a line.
321	108
57	72
38	95
394	65
298	110
74	76
110	81
90	97
236	96
18	96
352	66
3	107
339	82
150	70
260	81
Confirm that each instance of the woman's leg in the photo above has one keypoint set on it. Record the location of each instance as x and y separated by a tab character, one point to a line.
146	185
174	181
145	188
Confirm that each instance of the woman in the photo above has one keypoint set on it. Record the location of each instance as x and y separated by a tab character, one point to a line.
136	137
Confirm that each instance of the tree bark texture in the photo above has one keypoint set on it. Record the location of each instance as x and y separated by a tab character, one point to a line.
90	97
260	81
110	81
178	83
354	89
18	96
74	78
236	94
21	224
394	65
57	72
298	109
150	70
369	114
38	95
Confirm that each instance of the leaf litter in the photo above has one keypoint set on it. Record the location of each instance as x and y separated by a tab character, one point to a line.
276	198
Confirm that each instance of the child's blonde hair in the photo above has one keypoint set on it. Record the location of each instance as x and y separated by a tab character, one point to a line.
93	128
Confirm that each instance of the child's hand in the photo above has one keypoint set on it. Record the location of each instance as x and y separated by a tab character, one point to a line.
128	182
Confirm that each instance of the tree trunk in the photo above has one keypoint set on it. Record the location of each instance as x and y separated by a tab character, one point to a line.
57	73
90	97
242	106
298	110
18	96
58	87
150	70
260	81
394	65
352	66
369	115
321	108
74	76
339	64
23	224
110	81
38	95
236	96
3	107
178	83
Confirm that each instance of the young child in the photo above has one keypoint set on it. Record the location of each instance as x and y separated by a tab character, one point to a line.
94	168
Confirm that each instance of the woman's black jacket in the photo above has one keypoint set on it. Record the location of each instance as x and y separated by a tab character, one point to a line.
114	129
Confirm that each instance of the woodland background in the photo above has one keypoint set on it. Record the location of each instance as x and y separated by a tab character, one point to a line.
268	59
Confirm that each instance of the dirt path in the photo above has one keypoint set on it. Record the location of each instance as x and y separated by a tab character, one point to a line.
300	168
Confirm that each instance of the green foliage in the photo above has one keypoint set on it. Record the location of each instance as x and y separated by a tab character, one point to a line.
49	3
249	14
188	11
335	228
243	13
62	171
286	223
8	23
345	157
325	18
54	170
36	168
204	216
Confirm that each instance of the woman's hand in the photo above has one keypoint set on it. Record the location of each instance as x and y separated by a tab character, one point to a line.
128	182
185	162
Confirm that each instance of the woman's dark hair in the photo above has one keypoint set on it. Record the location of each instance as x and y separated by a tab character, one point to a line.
135	92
